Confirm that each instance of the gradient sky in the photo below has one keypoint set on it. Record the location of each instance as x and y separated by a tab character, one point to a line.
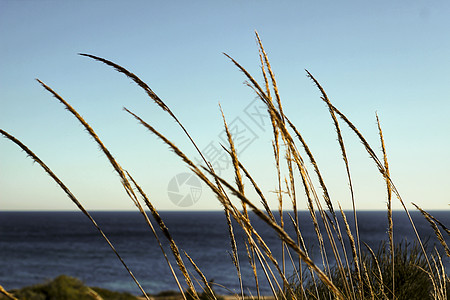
389	57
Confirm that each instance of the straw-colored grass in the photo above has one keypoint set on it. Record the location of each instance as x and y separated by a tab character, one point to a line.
357	273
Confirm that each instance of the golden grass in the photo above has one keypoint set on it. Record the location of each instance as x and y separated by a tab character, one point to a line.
350	278
389	204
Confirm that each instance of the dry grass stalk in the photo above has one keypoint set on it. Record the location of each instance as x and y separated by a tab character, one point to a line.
276	150
272	76
327	199
352	245
326	195
172	243
265	266
203	278
9	295
266	81
310	193
297	269
234	159
234	255
304	248
437	232
94	294
240	185
316	225
256	188
379	276
348	285
276	146
389	205
435	289
442	276
74	200
251	260
291	259
268	270
250	230
439	223
436	273
150	206
347	167
293	196
367	279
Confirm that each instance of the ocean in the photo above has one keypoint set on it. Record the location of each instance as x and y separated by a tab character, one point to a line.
37	246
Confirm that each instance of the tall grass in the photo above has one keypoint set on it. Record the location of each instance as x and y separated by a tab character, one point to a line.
358	271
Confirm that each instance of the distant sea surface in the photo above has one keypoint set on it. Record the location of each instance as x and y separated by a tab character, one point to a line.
36	246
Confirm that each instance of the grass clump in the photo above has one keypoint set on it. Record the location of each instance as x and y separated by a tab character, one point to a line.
410	278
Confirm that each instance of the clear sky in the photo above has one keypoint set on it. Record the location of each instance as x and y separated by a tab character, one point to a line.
390	57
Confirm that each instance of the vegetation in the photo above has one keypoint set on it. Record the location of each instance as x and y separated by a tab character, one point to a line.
410	280
67	288
395	272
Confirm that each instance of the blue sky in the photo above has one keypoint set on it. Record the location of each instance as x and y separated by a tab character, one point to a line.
390	57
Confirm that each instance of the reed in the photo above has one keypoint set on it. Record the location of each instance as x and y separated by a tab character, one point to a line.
356	273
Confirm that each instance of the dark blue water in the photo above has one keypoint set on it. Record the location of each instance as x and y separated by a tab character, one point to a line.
35	246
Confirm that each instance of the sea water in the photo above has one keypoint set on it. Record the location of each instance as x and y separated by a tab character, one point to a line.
37	246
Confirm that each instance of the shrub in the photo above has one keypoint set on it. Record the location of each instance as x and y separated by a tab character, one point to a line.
65	287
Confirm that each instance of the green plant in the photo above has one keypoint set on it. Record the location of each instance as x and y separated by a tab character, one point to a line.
68	288
410	279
